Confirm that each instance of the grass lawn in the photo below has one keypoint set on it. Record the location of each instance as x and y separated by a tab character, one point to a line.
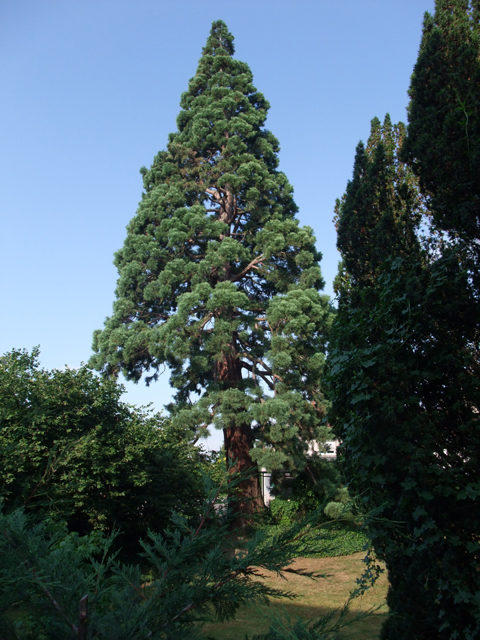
314	599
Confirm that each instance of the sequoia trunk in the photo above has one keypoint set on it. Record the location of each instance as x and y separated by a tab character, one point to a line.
238	440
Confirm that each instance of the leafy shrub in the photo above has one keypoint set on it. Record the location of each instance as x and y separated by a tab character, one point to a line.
72	451
341	542
336	541
340	506
285	511
214	465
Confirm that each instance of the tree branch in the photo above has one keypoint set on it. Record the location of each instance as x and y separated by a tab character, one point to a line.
261	374
249	267
268	371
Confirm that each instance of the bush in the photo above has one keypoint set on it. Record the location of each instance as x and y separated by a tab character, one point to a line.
336	540
195	573
341	541
70	450
340	538
285	511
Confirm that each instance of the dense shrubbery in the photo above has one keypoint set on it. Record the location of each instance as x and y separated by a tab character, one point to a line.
91	477
195	573
339	518
71	451
285	511
341	541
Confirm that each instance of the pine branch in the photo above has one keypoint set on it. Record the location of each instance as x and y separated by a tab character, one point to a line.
255	371
42	587
249	267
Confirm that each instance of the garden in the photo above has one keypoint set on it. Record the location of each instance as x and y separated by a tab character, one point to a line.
116	524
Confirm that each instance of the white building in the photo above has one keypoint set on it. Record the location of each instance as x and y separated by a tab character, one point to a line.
266	477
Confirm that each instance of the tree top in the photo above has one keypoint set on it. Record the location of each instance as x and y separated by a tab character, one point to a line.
220	40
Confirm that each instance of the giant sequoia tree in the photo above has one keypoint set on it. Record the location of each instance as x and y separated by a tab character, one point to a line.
218	281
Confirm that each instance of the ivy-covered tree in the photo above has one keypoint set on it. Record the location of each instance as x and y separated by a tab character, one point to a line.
218	281
405	391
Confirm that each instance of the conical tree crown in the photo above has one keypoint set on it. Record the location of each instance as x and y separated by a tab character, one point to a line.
213	245
380	211
443	143
220	41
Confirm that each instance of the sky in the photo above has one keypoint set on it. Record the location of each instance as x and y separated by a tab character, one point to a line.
90	92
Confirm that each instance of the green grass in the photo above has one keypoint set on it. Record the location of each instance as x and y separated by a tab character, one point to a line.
337	541
314	598
342	542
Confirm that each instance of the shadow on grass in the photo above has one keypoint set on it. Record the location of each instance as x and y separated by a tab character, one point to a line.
314	598
254	620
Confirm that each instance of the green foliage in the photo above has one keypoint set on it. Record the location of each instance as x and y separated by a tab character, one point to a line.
340	506
285	511
341	541
405	388
214	465
319	482
320	489
328	627
196	573
72	451
402	372
340	529
443	142
336	538
218	281
380	211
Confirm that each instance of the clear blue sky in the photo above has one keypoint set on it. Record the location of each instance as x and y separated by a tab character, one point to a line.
90	91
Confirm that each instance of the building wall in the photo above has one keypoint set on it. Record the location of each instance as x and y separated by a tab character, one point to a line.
266	477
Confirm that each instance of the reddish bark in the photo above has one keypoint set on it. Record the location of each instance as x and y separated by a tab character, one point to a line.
238	440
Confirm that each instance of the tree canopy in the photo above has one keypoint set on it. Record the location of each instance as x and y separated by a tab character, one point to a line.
443	142
71	451
404	366
219	282
379	214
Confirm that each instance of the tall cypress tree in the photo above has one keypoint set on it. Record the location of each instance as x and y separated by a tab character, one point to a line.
443	148
380	211
443	142
405	394
220	283
375	356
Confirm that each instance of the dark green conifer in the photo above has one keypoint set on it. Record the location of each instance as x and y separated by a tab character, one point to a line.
443	142
378	216
219	282
405	391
